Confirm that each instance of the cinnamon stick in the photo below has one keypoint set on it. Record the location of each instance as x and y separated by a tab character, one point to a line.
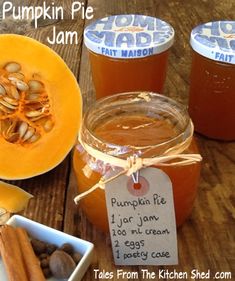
11	254
31	262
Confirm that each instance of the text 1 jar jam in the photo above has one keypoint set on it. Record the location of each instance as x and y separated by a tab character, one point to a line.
128	53
130	124
212	86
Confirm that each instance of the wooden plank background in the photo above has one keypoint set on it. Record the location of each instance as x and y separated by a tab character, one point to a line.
207	239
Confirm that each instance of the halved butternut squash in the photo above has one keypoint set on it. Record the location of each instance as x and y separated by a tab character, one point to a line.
40	108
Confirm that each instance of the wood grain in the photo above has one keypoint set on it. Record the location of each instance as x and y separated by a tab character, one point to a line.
206	240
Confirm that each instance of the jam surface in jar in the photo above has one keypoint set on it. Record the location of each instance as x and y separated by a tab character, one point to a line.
136	130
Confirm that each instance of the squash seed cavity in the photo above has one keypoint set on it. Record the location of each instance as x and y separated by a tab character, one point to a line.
25	113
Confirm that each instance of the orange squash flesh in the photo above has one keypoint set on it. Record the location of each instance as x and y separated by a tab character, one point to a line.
13	199
24	160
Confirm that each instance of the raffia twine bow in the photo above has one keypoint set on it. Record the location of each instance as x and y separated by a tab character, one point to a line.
133	163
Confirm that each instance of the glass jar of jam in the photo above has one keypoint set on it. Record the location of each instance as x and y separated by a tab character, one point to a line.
128	53
212	85
143	124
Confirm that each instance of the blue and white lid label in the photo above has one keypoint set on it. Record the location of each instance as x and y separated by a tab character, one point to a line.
215	40
128	36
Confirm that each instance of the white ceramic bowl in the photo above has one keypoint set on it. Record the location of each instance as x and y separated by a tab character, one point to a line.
53	236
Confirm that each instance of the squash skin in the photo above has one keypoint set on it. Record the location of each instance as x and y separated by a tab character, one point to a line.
21	162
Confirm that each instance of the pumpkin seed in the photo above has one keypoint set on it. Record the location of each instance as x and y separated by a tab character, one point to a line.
2	90
4	125
22	86
33	113
34	138
33	119
45	108
13	81
28	134
4	80
12	67
11	129
16	76
35	86
8	89
8	105
13	137
1	126
37	106
33	96
14	93
10	101
5	109
22	129
48	125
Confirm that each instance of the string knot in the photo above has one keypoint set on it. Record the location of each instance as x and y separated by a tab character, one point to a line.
134	164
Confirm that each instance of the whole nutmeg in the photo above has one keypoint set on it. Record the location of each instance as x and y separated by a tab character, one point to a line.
46	272
61	264
76	257
66	247
44	263
38	246
50	248
43	256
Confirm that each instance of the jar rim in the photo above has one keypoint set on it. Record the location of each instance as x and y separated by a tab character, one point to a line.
138	98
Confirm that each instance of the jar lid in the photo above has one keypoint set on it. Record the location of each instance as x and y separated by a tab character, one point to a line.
215	40
128	36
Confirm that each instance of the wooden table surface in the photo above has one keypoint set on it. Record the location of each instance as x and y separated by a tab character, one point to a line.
206	240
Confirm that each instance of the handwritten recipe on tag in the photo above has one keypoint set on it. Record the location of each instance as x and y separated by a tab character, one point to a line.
142	219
